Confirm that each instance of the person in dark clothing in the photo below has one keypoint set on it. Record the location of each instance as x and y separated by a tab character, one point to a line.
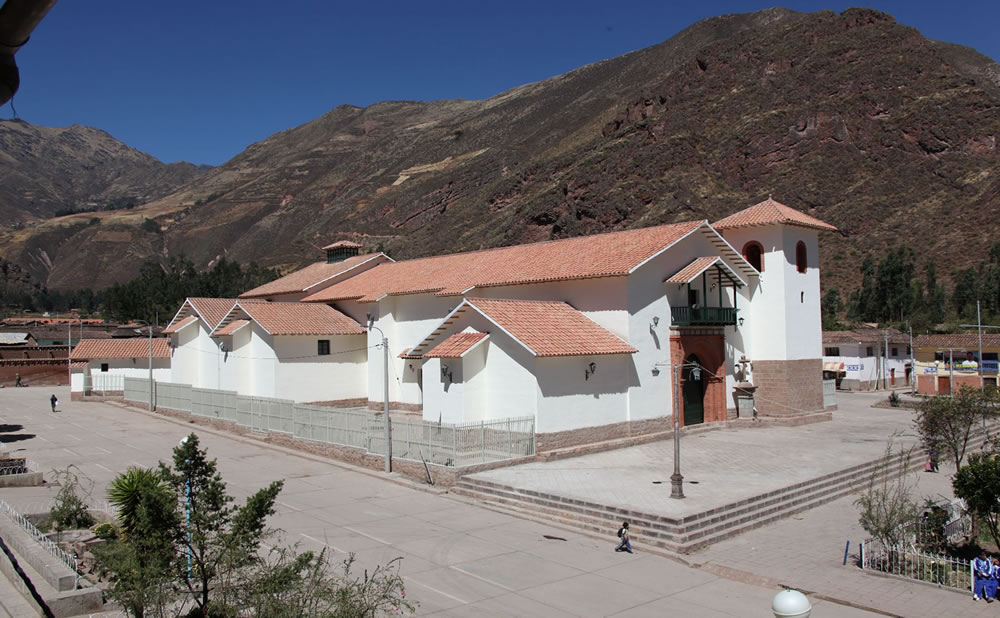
625	545
54	401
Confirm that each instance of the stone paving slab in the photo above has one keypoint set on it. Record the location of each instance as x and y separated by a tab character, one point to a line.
458	559
720	466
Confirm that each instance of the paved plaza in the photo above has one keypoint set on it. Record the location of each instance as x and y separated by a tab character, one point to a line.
458	559
719	466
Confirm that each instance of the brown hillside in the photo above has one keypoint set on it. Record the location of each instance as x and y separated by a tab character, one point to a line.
857	120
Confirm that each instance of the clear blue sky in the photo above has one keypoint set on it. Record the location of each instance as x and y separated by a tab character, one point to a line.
200	81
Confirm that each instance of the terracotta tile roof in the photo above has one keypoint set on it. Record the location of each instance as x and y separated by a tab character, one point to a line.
294	319
230	328
303	279
456	346
700	265
865	335
544	328
78	365
211	310
601	255
176	326
342	243
767	212
133	347
406	354
959	341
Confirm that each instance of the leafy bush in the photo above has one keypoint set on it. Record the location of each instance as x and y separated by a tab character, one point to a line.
106	530
69	510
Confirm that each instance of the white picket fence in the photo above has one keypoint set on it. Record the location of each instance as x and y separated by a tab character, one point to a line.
909	562
413	439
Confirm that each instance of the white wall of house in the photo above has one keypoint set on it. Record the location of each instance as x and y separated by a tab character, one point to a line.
197	359
862	370
303	375
567	399
131	368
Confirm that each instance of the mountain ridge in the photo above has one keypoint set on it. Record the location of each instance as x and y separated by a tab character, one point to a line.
852	118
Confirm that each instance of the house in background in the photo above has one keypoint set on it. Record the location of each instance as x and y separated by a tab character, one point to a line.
859	361
102	364
12	339
197	358
948	362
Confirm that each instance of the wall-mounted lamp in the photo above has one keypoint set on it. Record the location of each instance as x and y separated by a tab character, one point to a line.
370	318
589	371
445	373
656	371
656	320
411	366
741	321
696	373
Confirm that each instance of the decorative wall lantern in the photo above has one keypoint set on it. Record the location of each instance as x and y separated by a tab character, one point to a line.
589	371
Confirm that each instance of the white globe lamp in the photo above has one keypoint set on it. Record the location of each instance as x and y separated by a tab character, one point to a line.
791	604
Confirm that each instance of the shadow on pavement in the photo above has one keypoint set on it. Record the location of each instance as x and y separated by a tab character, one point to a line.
5	428
16	437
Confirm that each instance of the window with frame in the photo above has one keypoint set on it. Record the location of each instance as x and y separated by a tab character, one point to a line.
104	367
753	252
869	351
800	257
831	352
895	351
323	347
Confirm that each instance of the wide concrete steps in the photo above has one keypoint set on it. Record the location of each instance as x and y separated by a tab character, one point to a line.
687	533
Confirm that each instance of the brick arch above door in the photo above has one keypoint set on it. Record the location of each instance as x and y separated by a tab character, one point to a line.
709	345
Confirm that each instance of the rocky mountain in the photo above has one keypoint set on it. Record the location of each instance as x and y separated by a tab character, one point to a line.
853	118
45	171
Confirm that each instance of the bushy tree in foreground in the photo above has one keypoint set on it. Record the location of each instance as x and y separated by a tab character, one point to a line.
946	424
978	483
185	549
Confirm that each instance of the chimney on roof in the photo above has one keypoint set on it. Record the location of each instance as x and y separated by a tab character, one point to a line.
341	250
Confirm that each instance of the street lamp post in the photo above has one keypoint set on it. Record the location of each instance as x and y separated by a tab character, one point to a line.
150	362
187	509
677	479
385	396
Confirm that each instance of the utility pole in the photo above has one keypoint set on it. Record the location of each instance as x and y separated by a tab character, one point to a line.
979	363
385	403
913	364
677	479
69	354
150	367
885	365
951	373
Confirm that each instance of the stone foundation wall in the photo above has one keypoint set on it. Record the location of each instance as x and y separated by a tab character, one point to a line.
788	388
601	433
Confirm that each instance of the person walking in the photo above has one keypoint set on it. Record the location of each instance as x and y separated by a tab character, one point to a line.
982	568
54	401
625	545
17	380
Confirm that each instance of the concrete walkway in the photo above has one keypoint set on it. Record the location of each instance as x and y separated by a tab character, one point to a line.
458	559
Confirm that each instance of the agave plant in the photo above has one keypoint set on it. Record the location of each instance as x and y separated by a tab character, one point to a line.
127	490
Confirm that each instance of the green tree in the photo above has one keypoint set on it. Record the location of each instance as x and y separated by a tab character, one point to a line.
864	303
978	483
217	538
127	492
831	308
946	424
885	503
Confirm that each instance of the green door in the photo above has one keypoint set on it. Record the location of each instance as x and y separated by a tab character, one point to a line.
694	392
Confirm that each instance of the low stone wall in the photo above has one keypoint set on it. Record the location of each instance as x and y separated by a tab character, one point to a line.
37	373
601	433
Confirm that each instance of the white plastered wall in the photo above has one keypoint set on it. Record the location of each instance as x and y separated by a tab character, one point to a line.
131	368
569	399
303	375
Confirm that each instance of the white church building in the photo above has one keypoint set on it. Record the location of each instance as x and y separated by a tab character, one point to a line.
580	333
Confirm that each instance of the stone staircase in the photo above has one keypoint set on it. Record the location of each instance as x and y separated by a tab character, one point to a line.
687	533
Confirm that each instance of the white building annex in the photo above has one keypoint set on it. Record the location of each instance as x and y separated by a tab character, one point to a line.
579	333
197	359
102	364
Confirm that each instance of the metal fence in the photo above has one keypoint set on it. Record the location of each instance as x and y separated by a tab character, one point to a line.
829	393
39	537
414	439
103	383
909	562
16	465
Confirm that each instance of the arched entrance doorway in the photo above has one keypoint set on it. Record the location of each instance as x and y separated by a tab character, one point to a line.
693	386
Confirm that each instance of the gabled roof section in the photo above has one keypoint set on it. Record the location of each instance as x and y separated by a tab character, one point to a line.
305	279
697	266
873	336
14	338
601	255
958	341
292	319
346	244
177	326
211	310
544	328
770	212
457	346
133	347
230	328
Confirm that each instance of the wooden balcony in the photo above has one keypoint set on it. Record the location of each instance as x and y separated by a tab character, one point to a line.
703	316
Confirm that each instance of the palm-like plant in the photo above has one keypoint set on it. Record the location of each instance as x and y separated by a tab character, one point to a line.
127	490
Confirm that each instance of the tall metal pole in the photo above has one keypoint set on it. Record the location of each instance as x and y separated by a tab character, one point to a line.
150	366
385	403
676	479
979	364
69	353
951	372
913	365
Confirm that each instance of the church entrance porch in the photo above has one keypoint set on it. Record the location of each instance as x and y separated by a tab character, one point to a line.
703	377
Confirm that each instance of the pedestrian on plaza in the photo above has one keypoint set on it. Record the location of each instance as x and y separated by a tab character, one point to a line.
934	459
54	401
992	582
982	569
17	380
625	545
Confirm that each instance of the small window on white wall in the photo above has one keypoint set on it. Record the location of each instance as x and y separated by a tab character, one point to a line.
800	257
323	347
104	367
831	352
